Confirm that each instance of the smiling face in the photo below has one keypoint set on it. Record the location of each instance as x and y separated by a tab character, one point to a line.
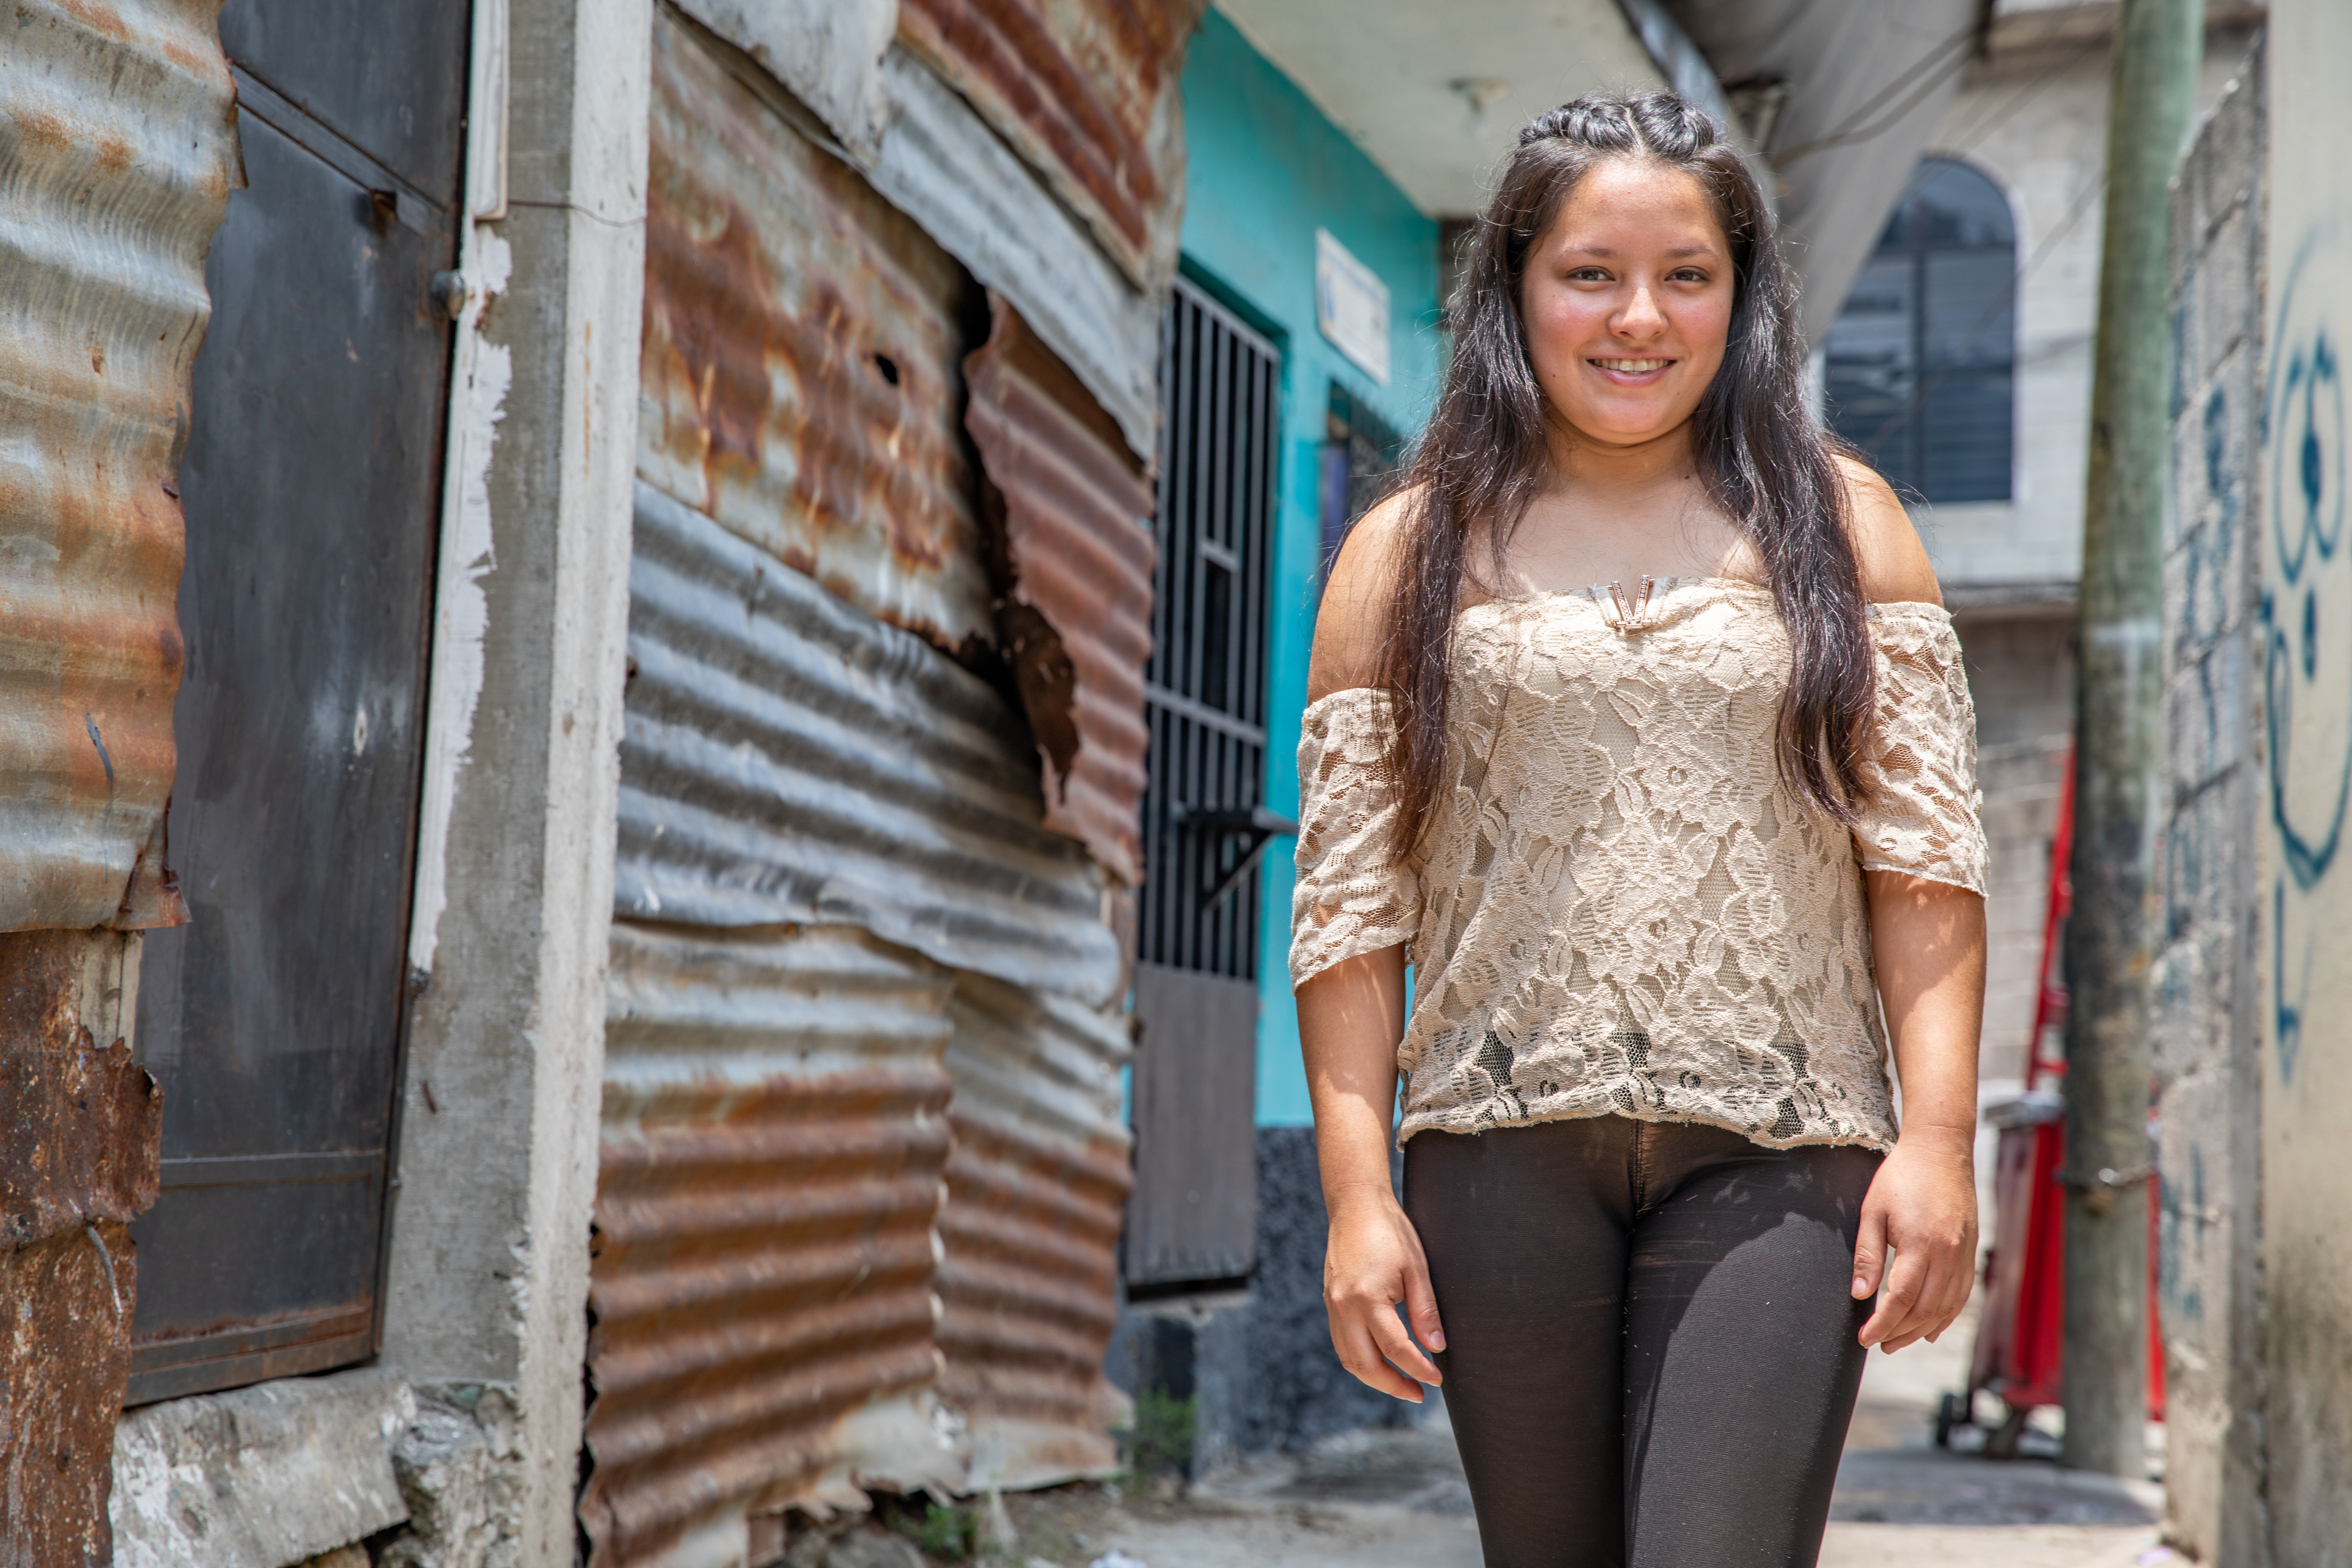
1626	300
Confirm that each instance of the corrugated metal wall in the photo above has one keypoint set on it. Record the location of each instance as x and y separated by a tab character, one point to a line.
1037	1181
1077	551
789	759
1086	91
762	1315
864	1160
117	153
800	365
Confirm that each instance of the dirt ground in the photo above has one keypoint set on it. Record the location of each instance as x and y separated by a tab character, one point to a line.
1397	1499
1390	1500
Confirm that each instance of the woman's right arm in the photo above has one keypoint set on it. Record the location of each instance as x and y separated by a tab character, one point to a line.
1351	1017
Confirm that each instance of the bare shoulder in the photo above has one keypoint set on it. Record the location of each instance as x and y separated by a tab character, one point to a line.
1352	622
1895	566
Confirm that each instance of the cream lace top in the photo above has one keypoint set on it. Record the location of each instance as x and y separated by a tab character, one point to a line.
1621	907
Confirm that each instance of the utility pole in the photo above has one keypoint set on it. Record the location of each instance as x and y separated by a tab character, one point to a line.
2158	46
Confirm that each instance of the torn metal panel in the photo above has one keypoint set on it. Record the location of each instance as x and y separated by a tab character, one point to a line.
827	52
801	379
775	1128
790	759
81	1123
943	165
1036	1184
1089	92
1079	552
117	152
65	1354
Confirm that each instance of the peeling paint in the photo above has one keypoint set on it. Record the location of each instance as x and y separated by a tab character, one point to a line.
461	614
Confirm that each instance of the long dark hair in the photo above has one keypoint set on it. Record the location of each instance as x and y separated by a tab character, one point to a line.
1760	451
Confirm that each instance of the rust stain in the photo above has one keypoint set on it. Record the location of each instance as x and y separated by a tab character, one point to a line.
1075	554
1087	91
80	1146
1037	1183
81	1123
775	1130
64	1358
800	381
117	130
1031	1232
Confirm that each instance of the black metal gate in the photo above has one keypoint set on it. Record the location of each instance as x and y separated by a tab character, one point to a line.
1193	1217
312	485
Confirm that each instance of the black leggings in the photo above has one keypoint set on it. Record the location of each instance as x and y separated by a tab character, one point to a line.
1650	1354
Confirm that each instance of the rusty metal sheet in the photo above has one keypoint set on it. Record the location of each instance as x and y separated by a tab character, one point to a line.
81	1132
116	152
760	1302
1076	618
65	1354
789	759
827	52
1089	92
1036	1183
82	1124
800	379
941	164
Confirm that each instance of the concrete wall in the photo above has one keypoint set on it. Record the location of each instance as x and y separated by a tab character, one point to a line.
2305	680
487	1291
1266	169
2204	1003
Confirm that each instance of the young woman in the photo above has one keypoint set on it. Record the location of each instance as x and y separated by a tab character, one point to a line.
1639	732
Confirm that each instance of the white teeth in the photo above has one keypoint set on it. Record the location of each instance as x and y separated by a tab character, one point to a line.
1632	366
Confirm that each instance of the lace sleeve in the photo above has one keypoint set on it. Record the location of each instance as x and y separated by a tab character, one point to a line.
1352	896
1924	818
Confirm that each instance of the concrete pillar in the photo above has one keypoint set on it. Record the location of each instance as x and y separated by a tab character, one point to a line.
486	1286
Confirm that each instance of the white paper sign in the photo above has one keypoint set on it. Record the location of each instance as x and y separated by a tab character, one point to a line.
1351	306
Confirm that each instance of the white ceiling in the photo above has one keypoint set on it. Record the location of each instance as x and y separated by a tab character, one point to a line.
1384	71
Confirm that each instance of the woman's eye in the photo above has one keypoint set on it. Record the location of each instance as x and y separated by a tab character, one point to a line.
1588	275
1687	275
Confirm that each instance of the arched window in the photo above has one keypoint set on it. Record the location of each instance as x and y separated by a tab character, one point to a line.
1922	358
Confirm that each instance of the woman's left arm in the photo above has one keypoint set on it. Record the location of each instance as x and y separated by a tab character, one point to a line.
1928	943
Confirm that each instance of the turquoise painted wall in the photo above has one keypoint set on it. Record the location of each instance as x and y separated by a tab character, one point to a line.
1266	169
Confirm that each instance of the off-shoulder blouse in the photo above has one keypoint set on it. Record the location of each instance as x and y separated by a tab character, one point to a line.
1621	906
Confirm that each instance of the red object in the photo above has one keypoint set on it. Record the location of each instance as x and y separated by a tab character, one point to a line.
2022	1330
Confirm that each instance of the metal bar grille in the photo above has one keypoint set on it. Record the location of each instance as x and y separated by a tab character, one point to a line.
1205	686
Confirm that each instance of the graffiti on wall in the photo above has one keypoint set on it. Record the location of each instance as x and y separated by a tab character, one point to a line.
2306	611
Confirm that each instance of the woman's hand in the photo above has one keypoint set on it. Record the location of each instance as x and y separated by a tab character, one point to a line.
1923	1206
1374	1261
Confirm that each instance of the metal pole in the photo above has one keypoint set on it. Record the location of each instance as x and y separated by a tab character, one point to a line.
2158	46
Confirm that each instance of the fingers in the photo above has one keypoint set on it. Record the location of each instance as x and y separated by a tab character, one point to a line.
1387	1332
1870	1251
1925	1294
1420	1307
1898	1303
1356	1339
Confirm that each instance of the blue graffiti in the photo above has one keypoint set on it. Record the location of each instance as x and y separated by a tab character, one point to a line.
2306	621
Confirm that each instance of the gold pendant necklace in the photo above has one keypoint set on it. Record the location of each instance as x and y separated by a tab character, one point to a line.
1626	620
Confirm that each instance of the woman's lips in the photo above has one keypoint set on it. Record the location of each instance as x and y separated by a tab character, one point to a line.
1630	371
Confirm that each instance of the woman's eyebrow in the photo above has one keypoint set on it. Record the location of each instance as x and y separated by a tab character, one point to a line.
1608	253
